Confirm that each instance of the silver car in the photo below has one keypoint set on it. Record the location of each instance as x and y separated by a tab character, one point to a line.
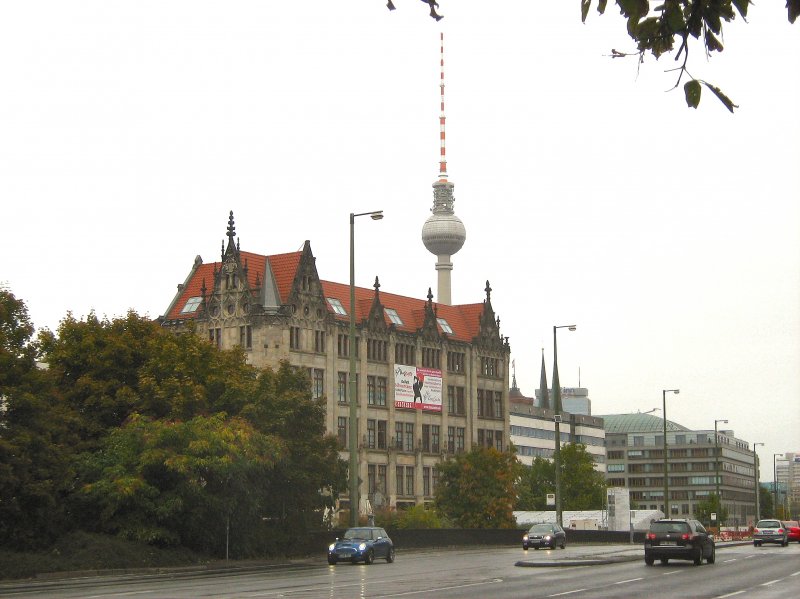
770	531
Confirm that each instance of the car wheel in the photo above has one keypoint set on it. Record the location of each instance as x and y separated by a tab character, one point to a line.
525	547
369	558
713	557
698	557
332	561
664	561
390	555
756	543
649	560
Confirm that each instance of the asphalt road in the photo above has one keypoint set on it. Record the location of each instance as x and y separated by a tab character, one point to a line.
755	572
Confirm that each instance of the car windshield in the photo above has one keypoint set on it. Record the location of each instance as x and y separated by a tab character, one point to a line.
541	528
768	524
358	533
669	527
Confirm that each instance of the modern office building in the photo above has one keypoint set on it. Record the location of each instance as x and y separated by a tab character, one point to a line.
574	400
533	430
635	459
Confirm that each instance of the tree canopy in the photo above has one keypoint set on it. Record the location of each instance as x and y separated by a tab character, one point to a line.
582	487
162	438
476	489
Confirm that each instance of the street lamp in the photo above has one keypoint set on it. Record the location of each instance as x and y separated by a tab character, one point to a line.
758	486
716	468
353	444
775	484
557	418
666	474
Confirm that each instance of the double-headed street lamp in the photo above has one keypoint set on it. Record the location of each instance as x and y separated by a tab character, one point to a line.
666	462
716	467
758	486
775	484
353	444
557	418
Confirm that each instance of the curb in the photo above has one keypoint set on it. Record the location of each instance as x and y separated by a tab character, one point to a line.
579	562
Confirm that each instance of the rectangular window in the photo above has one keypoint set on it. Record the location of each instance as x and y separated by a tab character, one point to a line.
426	481
398	435
371	479
409	480
377	350
342	345
498	440
481	408
460	436
409	443
426	437
371	390
294	337
191	305
317	376
336	306
638	441
371	434
498	404
381	482
434	479
455	361
341	387
341	431
430	357
246	336
435	438
215	336
451	439
319	342
404	354
381	434
490	367
399	472
393	316
380	399
481	437
445	327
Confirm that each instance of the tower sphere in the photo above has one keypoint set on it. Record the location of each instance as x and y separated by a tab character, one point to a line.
443	234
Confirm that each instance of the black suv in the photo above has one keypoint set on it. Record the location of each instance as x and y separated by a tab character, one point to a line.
673	538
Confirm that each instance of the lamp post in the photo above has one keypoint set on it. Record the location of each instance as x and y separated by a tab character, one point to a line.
775	484
666	463
758	486
557	418
716	468
353	442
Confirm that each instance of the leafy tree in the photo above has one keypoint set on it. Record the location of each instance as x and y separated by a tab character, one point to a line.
766	505
166	482
687	23
418	516
477	489
35	438
582	487
535	482
712	505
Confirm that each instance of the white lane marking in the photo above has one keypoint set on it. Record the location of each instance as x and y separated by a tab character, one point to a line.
730	560
629	580
795	574
766	584
671	573
125	594
456	586
729	595
567	593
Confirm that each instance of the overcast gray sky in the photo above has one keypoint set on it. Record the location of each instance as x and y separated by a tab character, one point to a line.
590	194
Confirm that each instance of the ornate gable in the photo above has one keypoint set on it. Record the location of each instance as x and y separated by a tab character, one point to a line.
429	330
306	297
489	326
376	321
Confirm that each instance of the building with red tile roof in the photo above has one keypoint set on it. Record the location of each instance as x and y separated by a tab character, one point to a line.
277	308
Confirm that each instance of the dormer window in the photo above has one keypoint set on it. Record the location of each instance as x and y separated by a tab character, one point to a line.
192	304
393	316
336	306
445	327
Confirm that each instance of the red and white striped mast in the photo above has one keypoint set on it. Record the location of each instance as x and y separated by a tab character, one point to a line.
442	157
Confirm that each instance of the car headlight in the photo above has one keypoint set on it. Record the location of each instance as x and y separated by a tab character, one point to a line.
332	546
547	538
525	537
362	546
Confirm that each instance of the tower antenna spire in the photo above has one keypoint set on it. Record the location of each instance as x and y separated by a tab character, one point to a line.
442	156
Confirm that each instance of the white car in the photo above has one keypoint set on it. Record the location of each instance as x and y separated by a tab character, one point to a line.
770	531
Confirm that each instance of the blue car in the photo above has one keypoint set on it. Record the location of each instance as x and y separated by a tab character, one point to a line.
362	544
